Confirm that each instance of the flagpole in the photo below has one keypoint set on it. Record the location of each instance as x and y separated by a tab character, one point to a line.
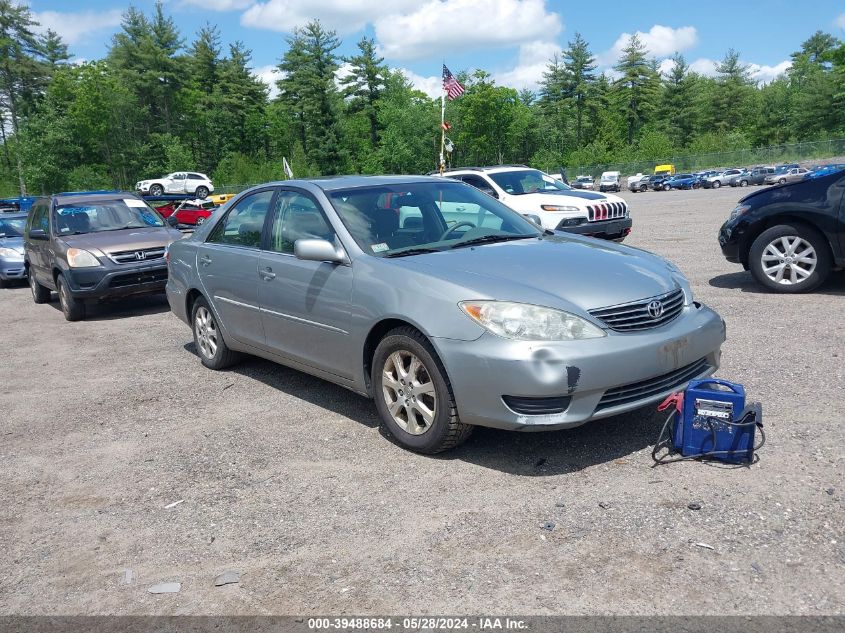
442	131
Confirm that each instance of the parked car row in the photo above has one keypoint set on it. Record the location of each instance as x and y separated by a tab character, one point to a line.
665	179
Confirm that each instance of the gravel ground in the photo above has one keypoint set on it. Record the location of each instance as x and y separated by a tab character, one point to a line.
287	480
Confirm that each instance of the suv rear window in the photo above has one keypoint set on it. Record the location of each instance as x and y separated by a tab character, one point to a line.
96	216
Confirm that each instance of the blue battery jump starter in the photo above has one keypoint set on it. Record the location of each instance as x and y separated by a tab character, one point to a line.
710	420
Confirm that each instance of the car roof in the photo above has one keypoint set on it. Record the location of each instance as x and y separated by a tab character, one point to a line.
335	183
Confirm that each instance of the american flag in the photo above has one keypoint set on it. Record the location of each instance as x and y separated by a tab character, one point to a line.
451	85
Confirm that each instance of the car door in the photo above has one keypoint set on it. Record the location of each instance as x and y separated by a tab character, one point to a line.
37	251
305	305
227	264
177	183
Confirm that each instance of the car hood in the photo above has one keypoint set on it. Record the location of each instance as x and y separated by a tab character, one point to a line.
123	240
559	197
15	243
569	273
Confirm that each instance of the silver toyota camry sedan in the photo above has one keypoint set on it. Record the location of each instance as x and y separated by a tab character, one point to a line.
439	302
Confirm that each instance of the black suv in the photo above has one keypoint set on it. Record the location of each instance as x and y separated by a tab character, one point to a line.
790	236
95	245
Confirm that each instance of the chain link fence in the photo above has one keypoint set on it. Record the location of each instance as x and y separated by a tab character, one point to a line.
809	152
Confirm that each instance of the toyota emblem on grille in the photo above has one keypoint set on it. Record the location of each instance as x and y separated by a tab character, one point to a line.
655	309
140	255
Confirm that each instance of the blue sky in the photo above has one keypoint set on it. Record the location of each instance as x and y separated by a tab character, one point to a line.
512	39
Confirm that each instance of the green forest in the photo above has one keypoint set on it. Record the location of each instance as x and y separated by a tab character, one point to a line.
162	101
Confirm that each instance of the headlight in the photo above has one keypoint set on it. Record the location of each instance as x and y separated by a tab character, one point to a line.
738	211
11	253
554	207
77	258
526	322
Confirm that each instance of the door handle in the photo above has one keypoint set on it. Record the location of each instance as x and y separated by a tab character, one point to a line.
267	273
205	260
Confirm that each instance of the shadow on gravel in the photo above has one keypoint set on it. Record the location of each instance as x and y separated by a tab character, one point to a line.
528	454
305	387
744	282
121	308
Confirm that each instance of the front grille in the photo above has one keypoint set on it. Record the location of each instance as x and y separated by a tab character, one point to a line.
652	387
537	406
644	314
607	211
141	278
140	255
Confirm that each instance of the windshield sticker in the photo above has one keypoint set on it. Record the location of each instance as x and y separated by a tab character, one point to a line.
132	202
379	248
75	210
148	218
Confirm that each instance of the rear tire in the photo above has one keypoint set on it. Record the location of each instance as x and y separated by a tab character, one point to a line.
200	220
40	294
770	257
201	192
208	338
413	394
72	308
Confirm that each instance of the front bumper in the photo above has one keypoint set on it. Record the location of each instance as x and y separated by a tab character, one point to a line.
615	229
599	377
12	269
117	280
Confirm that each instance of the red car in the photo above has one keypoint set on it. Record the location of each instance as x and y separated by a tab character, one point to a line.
192	212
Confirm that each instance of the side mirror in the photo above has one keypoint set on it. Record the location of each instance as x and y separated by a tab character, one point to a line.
490	192
171	220
37	234
314	250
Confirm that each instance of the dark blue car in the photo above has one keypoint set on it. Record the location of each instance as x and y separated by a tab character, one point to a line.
681	181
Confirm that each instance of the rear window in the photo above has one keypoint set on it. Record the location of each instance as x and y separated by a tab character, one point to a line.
97	216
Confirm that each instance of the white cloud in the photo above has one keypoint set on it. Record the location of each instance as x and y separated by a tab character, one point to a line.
269	75
432	86
219	5
344	16
704	66
76	27
765	74
840	21
531	64
459	25
661	41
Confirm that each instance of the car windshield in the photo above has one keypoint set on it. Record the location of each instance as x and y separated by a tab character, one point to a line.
12	227
97	216
587	179
521	181
415	218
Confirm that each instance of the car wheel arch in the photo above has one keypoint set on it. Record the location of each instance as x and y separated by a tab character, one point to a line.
190	299
776	220
377	332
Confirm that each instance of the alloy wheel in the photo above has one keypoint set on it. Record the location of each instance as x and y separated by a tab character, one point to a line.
206	331
408	391
789	260
32	285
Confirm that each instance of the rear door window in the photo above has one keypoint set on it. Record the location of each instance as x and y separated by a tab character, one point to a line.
244	223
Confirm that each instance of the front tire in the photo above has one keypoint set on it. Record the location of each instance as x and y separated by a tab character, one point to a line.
208	338
743	183
72	308
200	220
782	181
413	394
716	184
40	294
156	190
790	258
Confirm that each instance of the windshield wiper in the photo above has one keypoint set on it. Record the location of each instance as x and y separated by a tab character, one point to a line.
490	239
413	251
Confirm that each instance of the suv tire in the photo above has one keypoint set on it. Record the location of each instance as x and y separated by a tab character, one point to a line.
40	294
201	192
408	382
774	244
208	339
156	190
72	308
716	184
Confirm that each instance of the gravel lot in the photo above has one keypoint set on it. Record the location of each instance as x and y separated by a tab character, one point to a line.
287	480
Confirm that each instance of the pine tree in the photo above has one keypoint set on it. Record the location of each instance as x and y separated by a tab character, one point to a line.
308	90
53	50
579	67
365	83
637	85
678	109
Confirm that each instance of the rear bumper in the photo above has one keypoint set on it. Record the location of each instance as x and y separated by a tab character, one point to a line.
605	229
105	283
595	378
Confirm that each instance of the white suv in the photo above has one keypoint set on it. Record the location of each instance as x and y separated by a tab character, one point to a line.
549	202
187	182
